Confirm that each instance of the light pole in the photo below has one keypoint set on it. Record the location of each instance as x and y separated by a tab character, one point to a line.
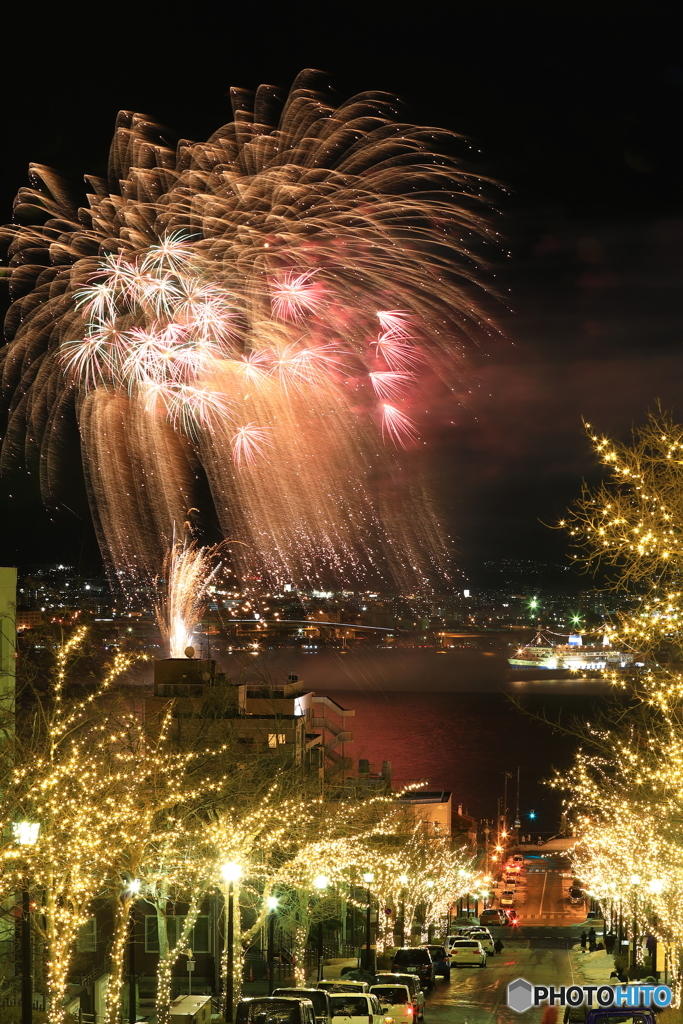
231	873
26	834
321	882
132	888
368	878
403	879
272	907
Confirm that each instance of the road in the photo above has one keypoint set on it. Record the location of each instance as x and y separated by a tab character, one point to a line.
537	951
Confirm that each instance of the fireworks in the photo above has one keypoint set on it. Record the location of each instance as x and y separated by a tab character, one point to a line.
189	570
269	310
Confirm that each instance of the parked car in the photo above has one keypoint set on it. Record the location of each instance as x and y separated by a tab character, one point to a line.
276	1010
441	960
343	986
318	996
493	916
356	1008
458	933
396	1002
413	984
484	936
622	1015
507	898
414	960
468	952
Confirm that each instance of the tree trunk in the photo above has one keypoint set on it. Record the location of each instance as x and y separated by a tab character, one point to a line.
164	976
112	1011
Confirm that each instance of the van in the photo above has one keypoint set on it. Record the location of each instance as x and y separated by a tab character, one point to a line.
274	1010
355	1008
319	998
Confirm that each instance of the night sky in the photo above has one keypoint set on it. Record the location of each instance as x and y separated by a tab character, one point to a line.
577	113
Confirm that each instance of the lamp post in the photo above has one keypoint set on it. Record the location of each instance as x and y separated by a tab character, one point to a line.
26	834
635	881
132	889
321	882
403	879
272	907
231	873
368	878
430	926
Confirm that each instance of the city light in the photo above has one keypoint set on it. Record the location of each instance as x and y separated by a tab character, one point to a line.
231	871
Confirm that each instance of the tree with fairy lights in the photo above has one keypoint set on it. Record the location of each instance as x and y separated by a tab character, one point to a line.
625	789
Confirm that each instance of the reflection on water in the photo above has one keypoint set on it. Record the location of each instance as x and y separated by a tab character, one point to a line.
463	742
380	669
446	718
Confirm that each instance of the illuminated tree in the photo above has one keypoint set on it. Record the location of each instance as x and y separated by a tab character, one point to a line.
626	787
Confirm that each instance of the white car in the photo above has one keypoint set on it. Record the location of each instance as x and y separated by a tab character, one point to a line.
507	898
356	1008
483	935
412	983
342	985
396	1002
468	952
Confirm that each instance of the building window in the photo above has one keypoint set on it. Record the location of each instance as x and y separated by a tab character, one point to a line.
276	738
199	939
86	940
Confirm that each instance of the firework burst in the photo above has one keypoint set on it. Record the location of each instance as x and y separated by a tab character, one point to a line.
243	309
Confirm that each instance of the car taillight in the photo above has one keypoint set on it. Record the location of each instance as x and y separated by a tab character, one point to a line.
409	1010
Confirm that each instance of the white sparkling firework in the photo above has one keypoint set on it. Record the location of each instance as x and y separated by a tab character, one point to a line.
218	313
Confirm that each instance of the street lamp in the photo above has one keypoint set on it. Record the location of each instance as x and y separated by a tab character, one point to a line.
131	889
321	882
368	878
26	834
272	907
231	873
403	879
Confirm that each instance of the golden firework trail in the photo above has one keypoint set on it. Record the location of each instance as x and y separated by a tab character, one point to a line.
266	311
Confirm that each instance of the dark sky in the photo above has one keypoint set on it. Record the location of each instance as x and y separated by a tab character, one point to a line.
578	113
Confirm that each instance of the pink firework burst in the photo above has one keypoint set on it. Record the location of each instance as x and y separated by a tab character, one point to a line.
389	383
248	442
398	426
395	322
254	368
293	295
397	354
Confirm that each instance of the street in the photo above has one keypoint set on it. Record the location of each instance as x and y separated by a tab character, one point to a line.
537	951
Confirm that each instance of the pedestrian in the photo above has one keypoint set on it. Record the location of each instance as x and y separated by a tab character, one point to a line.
498	945
591	941
584	940
549	1015
575	1014
610	939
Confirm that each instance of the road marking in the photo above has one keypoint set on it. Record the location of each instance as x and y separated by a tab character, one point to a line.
545	880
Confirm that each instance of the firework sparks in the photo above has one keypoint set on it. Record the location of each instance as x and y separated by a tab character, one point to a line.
294	296
248	442
268	294
189	571
398	426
